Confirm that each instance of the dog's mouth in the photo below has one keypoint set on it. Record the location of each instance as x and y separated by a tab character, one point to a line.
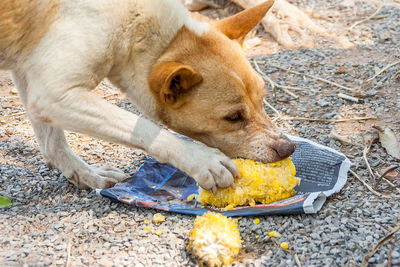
284	149
272	152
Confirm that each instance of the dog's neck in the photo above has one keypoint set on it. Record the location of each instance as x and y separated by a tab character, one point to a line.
153	25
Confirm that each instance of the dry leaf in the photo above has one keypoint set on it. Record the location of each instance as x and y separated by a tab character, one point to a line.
341	70
342	139
392	175
389	141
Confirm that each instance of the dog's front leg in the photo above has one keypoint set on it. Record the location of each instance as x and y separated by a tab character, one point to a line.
58	154
80	110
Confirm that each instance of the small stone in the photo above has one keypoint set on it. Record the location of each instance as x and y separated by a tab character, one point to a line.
105	263
9	131
385	36
14	91
323	103
328	115
120	227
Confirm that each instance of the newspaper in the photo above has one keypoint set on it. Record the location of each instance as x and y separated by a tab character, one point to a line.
322	170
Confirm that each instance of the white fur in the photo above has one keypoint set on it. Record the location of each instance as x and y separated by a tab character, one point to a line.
198	27
121	40
237	77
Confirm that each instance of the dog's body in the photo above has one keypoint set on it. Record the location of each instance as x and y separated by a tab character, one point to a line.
183	73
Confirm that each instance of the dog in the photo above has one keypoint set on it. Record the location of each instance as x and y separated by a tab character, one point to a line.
187	75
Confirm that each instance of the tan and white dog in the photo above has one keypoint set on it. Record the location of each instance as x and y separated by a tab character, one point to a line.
188	75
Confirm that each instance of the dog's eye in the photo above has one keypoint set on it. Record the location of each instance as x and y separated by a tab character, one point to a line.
234	118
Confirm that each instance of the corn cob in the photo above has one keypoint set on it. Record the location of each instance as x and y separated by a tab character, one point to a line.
263	183
215	239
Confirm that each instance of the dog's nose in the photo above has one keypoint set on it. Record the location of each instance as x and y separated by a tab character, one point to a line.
284	147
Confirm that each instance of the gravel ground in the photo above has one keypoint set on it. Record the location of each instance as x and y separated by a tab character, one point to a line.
53	223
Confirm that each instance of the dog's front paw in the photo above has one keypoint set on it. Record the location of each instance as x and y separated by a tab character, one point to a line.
96	176
211	168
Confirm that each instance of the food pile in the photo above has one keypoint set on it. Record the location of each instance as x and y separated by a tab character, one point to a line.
262	183
215	239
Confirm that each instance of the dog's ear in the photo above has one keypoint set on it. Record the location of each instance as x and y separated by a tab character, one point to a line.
237	26
171	80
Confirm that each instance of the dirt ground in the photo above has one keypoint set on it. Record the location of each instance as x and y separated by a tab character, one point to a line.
375	46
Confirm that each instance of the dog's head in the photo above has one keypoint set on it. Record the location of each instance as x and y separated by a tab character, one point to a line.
207	90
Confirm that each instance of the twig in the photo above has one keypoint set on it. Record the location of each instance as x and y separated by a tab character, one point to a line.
68	253
296	258
271	107
388	188
396	75
347	97
380	243
370	188
291	252
383	175
383	70
391	184
367	18
390	251
325	120
10	97
283	87
374	18
112	94
314	77
367	148
265	77
288	92
365	184
274	84
384	227
13	115
295	88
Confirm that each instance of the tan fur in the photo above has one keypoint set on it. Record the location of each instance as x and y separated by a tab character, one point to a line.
173	79
237	26
229	86
22	25
177	70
